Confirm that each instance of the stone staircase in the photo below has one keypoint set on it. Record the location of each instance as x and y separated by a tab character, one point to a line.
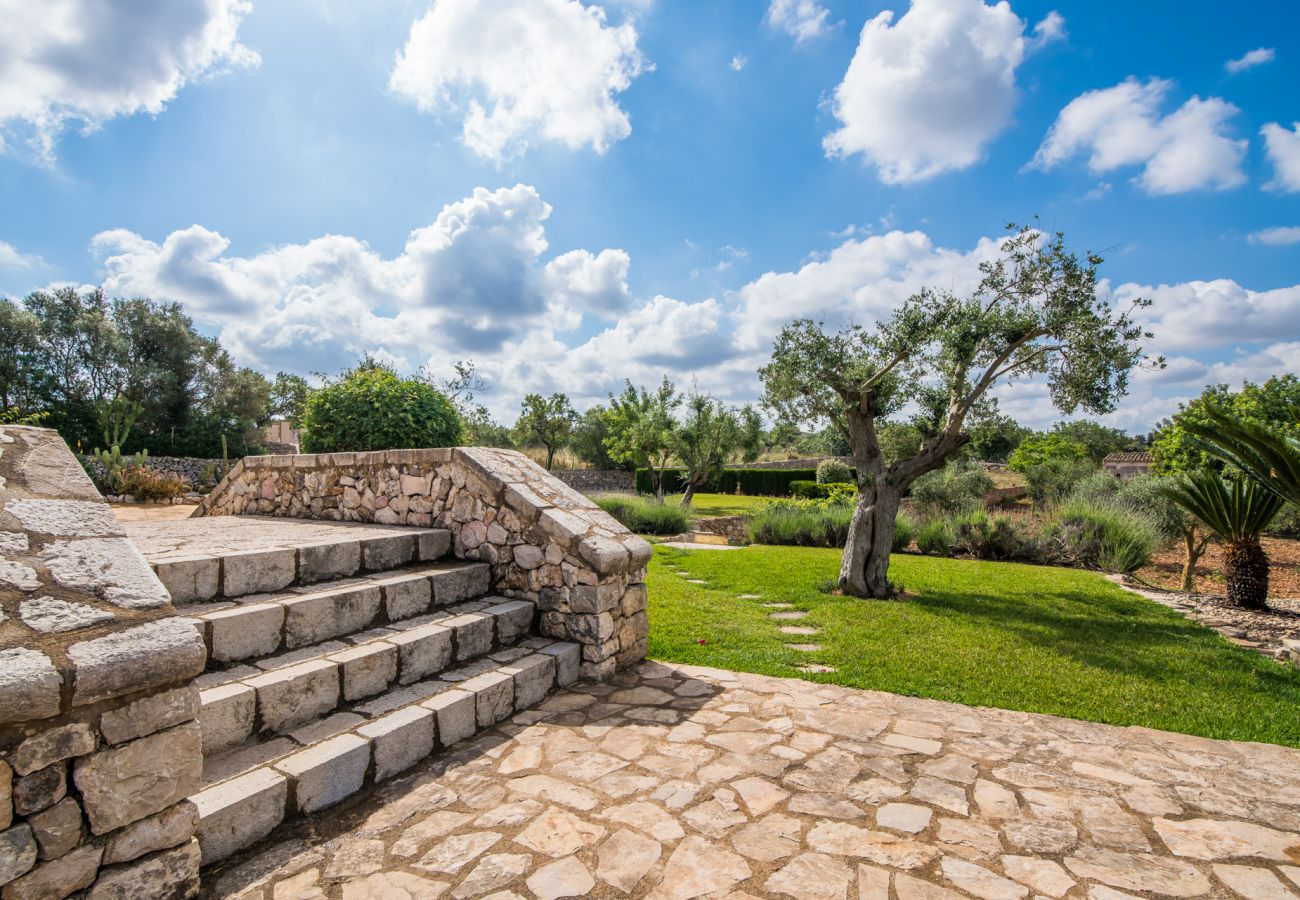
341	663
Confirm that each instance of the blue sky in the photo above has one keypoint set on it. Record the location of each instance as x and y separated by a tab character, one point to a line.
572	194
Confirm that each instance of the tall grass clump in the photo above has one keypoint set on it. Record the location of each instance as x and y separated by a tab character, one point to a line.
801	523
645	516
936	537
1105	535
958	487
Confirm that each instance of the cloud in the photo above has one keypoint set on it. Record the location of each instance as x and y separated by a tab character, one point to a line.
1121	126
14	260
521	71
803	20
1207	314
1049	30
1276	237
1283	150
1257	57
927	94
738	62
85	62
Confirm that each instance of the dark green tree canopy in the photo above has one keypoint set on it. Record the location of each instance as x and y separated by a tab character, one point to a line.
372	408
1268	405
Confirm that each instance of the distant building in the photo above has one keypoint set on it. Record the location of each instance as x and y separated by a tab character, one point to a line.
281	437
1127	465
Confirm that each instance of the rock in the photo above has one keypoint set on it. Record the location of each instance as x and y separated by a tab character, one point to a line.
909	888
237	813
559	833
19	576
51	746
6	795
873	883
17	852
146	656
110	568
431	827
149	714
41	789
161	831
399	740
564	878
492	872
1253	882
60	877
942	794
456	852
698	866
1043	875
392	886
1041	836
29	686
125	783
646	817
769	839
171	873
625	858
50	616
879	847
813	876
1138	872
57	829
328	772
1213	839
351	858
995	801
904	817
226	716
979	881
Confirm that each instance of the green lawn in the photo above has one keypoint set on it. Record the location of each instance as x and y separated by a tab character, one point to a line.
1020	637
720	504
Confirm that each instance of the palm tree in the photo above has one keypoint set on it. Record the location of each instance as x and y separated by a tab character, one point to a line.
1268	458
1237	511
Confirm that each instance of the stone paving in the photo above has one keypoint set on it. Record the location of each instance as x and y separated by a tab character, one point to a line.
677	782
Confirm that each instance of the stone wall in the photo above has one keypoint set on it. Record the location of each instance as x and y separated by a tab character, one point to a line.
99	746
545	541
187	468
597	481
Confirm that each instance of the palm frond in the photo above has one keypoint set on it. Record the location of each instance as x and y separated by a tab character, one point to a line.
1269	459
1238	509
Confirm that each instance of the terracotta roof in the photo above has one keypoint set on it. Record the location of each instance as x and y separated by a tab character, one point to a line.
1140	456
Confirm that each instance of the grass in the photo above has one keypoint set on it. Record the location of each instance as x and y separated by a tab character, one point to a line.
720	504
1030	638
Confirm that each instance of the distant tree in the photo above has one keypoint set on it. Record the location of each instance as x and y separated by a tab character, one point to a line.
1100	440
588	439
995	437
1267	405
642	429
1036	313
289	395
899	441
547	421
1046	448
710	435
371	408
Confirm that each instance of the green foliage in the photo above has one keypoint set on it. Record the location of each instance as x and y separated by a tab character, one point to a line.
147	485
1100	440
1269	458
752	482
936	537
903	532
803	523
835	471
1104	535
588	439
1050	482
995	537
898	441
1044	449
1175	448
15	416
371	408
808	490
1286	523
710	434
289	395
641	431
545	421
645	516
995	436
957	487
1238	509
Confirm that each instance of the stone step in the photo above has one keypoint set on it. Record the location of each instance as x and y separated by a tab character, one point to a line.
313	768
284	692
239	573
258	625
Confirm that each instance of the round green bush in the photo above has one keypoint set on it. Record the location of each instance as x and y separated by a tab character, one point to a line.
374	409
834	471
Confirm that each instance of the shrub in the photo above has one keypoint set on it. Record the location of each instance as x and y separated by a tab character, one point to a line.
1286	523
373	409
1038	449
753	482
992	537
1051	482
936	537
835	471
645	516
808	490
1104	535
957	487
1097	487
903	531
813	523
147	485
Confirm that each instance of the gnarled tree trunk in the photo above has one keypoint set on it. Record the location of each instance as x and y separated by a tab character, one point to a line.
864	567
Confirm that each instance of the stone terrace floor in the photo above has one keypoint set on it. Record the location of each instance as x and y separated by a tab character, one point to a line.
161	538
680	782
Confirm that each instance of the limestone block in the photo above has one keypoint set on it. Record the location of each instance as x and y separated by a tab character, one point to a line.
635	599
65	518
172	873
126	783
57	829
451	585
432	545
245	632
257	571
60	877
456	713
313	618
41	789
595	598
493	696
405	596
424	651
192	579
590	629
400	739
226	716
17	852
150	714
568	659
146	656
29	686
237	813
169	828
367	670
514	619
295	695
111	568
48	747
473	635
324	562
534	676
327	773
380	554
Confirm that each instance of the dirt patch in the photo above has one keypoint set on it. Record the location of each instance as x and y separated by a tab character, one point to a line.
1283	571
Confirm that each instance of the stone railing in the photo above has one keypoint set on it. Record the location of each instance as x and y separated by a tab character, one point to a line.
545	541
99	746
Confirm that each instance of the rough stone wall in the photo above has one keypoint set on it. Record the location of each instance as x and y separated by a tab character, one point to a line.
99	743
595	481
187	468
545	541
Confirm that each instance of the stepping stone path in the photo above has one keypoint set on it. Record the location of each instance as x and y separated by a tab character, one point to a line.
805	648
681	781
816	669
778	606
803	630
789	615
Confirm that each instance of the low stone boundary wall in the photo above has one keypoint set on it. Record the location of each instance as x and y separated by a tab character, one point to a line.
545	541
597	481
188	469
99	747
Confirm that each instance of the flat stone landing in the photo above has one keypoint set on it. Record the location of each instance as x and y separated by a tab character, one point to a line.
164	540
678	782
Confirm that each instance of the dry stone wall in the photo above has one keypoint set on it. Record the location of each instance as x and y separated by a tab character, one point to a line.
99	743
545	541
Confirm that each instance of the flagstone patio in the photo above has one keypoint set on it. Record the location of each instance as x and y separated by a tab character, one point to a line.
679	782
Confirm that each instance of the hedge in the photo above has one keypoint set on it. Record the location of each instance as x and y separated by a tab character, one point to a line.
754	482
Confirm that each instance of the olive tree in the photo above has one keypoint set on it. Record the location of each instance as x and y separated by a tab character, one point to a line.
710	434
643	429
547	421
1036	314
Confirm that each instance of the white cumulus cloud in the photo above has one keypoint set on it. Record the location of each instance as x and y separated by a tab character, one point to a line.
1219	313
803	20
1283	148
1257	57
1122	126
926	94
1276	237
85	62
14	260
521	71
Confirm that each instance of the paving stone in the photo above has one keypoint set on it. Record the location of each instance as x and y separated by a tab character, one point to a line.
392	886
1253	882
813	876
352	857
904	817
493	871
1213	839
1043	875
328	772
698	866
1135	872
979	881
110	568
457	852
436	825
624	859
994	800
646	817
563	878
882	848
